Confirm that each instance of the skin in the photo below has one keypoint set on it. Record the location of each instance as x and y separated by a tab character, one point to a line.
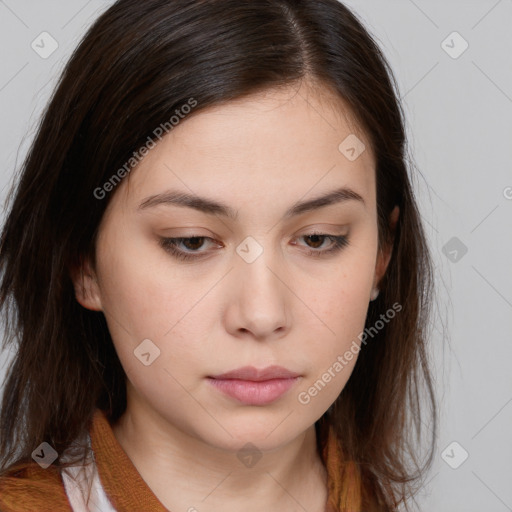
207	316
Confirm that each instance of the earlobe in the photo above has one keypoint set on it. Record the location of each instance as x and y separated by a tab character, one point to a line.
87	292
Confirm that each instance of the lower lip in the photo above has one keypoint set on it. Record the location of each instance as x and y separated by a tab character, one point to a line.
254	393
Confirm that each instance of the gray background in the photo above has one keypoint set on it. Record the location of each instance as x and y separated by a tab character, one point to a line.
459	120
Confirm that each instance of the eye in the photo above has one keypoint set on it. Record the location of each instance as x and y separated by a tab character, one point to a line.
194	243
338	242
171	245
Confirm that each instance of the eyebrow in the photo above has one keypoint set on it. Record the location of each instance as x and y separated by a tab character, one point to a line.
213	207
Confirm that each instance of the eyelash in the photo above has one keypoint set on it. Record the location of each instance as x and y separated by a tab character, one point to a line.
169	245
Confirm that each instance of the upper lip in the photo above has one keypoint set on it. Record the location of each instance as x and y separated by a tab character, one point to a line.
251	373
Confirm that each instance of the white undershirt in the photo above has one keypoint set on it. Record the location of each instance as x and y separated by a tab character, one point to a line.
79	480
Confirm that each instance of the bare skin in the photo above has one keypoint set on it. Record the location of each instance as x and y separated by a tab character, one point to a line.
219	312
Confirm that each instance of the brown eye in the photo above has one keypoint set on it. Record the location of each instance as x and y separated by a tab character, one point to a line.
318	239
192	245
193	242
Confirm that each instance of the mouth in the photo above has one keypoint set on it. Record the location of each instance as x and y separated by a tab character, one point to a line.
251	386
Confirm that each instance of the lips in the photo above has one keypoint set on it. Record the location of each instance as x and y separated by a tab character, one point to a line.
251	386
255	375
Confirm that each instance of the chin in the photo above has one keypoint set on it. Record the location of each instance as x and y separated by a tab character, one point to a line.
265	435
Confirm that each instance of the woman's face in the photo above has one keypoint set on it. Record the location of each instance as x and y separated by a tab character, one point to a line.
259	285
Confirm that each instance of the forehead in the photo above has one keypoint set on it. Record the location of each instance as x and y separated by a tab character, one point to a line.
284	141
286	118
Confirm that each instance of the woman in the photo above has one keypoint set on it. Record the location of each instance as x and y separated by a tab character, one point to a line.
218	277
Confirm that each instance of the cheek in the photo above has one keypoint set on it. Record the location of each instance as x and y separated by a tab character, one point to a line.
342	316
145	297
137	286
332	355
341	302
340	306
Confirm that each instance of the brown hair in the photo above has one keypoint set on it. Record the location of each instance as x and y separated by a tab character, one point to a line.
137	64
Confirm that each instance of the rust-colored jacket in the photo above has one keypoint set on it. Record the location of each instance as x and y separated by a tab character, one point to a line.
30	488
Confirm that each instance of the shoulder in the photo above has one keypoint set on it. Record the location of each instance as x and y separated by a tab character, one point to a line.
27	486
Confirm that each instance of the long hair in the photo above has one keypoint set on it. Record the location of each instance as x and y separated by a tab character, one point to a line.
138	64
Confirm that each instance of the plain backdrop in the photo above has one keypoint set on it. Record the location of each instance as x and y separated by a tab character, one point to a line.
453	63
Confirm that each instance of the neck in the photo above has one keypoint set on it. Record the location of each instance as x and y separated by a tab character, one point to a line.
289	477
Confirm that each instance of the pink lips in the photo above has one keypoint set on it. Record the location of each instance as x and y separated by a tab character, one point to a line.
255	387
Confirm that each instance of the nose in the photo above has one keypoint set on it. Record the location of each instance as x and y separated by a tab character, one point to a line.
260	299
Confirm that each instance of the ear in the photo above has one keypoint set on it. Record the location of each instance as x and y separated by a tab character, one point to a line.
384	255
87	291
